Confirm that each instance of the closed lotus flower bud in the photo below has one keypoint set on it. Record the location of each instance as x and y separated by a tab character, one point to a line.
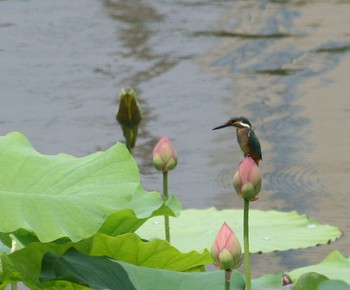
247	180
226	250
129	116
164	155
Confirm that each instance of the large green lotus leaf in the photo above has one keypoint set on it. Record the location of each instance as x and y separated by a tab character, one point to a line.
64	196
144	278
316	281
155	254
269	230
126	221
25	264
333	284
310	281
334	266
80	271
147	278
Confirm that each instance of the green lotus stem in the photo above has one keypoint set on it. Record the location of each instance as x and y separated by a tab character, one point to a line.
228	279
246	245
165	197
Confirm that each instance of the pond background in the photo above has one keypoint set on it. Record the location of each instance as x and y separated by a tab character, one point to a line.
193	64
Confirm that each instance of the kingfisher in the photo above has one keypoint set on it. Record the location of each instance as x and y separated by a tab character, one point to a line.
246	137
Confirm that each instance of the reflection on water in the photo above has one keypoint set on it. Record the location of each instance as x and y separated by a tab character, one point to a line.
193	64
333	48
241	35
133	21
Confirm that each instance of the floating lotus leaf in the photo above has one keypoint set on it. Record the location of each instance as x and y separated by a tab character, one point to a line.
334	266
269	230
316	281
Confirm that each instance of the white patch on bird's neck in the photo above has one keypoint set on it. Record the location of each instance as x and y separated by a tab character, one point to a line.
244	124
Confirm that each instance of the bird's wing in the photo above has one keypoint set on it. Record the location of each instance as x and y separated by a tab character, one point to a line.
254	143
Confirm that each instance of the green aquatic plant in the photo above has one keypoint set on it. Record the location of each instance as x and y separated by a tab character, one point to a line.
51	197
84	223
165	159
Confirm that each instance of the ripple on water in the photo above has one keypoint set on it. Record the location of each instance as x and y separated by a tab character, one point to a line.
295	182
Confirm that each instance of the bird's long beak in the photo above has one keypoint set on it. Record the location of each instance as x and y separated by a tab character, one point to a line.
220	127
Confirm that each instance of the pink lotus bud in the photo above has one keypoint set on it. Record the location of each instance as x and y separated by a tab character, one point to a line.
247	180
164	155
226	250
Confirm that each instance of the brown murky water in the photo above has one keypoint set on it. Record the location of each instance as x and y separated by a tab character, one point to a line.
193	64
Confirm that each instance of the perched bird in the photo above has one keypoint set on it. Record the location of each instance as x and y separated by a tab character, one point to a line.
246	137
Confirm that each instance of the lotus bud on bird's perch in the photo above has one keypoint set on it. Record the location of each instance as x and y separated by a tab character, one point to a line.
164	155
226	249
247	180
